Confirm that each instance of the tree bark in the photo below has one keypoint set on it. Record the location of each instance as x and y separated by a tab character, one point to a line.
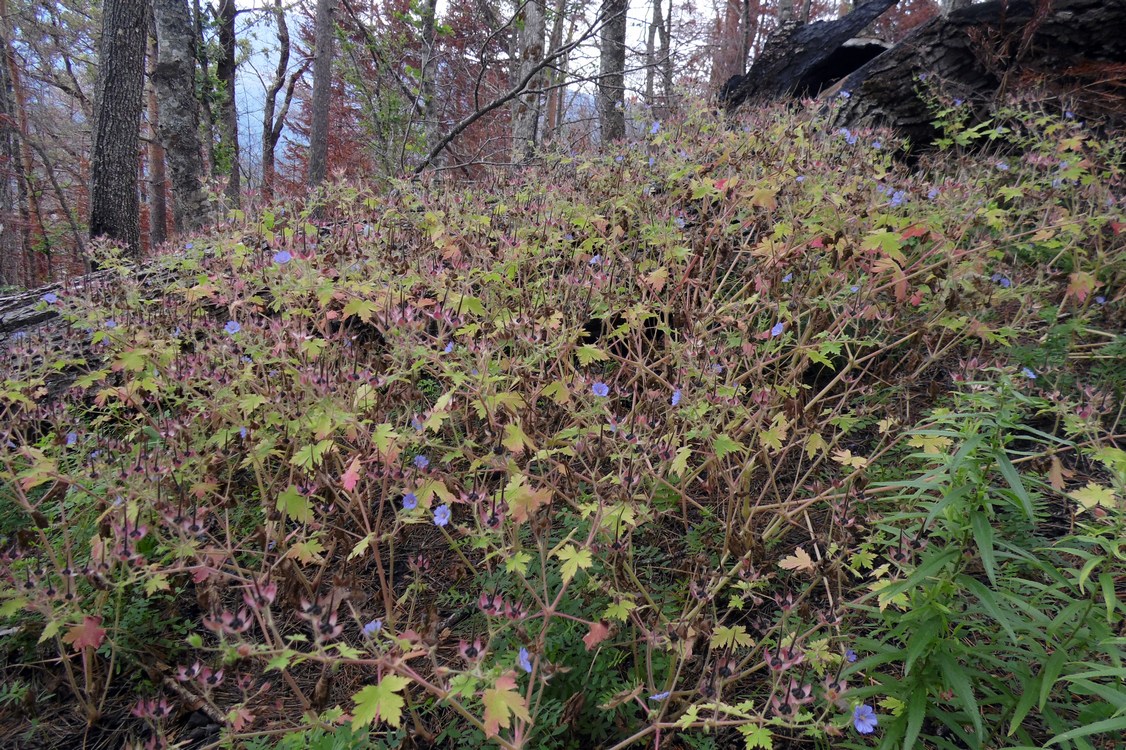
428	12
174	80
325	37
225	71
526	110
793	55
158	203
15	244
114	206
611	77
1071	35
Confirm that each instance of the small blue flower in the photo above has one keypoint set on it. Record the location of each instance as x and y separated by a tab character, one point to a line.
652	161
242	433
188	246
877	145
600	389
777	330
854	288
71	438
50	298
449	347
410	501
932	193
898	198
800	178
1028	373
1001	279
850	655
659	696
864	719
525	661
679	221
618	158
788	278
417	424
1069	114
1003	166
421	461
595	260
1100	300
232	327
655	127
442	515
676	395
111	324
373	627
958	102
282	257
845	94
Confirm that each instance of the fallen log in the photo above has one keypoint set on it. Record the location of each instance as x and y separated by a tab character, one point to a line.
798	58
978	53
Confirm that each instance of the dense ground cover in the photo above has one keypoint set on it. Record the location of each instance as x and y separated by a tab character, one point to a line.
731	437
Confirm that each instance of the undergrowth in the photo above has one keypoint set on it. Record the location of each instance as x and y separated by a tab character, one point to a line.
735	436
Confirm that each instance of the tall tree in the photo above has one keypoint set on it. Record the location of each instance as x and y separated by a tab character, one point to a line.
526	113
174	80
273	116
114	205
325	33
157	193
611	77
428	19
225	71
15	240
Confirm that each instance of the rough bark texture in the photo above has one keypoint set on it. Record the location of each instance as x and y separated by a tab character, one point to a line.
13	204
795	53
114	205
949	6
158	203
976	49
611	76
428	17
526	109
225	71
174	79
325	34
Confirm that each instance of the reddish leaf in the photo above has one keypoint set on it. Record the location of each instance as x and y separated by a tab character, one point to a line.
352	475
89	633
598	633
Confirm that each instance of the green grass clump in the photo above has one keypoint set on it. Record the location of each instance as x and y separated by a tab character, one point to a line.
732	436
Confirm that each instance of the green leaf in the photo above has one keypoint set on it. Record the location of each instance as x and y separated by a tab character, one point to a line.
725	445
731	637
589	353
955	676
573	559
501	704
983	538
380	701
1027	697
756	736
361	307
1049	674
1013	478
295	505
1113	724
916	712
311	456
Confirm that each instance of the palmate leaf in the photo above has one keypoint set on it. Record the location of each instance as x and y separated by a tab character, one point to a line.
502	702
381	702
573	559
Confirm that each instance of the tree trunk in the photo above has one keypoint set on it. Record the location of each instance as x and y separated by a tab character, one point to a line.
15	244
664	31
611	78
1022	37
949	6
325	33
526	111
228	111
428	13
114	207
158	204
785	11
174	80
273	121
206	90
794	57
557	75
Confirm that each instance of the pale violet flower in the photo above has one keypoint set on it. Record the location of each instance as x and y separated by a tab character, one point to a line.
442	515
525	660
